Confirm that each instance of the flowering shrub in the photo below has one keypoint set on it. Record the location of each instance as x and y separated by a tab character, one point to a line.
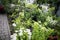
31	21
34	23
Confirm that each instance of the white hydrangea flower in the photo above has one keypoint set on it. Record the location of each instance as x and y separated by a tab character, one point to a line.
44	7
28	31
13	37
14	24
20	32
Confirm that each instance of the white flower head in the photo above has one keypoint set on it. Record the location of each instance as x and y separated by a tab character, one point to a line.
16	31
13	37
14	24
12	5
28	31
39	21
20	32
44	7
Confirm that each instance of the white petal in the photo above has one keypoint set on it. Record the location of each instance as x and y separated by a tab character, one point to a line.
14	24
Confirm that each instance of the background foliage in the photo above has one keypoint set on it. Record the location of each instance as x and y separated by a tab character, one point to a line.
32	21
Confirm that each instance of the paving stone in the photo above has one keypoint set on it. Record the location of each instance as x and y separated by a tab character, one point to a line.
4	28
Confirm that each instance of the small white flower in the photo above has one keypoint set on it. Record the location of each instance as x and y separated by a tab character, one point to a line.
39	21
14	24
16	31
20	32
13	37
44	8
12	5
28	31
40	25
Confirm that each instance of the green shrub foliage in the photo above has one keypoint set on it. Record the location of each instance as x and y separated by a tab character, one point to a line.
34	23
31	21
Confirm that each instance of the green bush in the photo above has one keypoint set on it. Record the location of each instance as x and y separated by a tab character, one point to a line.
34	23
